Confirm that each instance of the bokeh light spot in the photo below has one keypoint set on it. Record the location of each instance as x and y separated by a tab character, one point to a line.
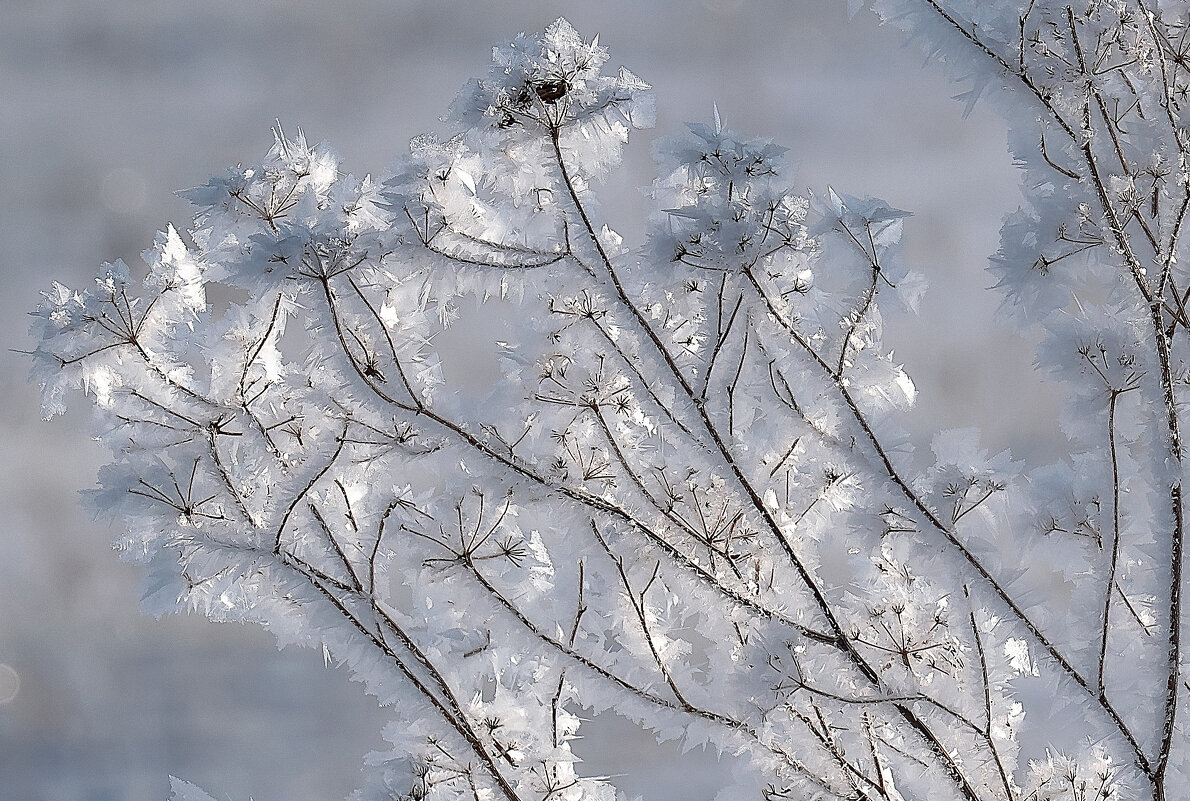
10	683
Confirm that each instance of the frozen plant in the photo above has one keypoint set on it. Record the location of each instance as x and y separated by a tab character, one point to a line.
673	484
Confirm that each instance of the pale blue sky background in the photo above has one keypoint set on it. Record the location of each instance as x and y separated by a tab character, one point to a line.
106	107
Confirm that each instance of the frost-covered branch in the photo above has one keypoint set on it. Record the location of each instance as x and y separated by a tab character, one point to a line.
685	497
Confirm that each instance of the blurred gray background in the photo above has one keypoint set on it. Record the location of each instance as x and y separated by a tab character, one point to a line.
107	107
